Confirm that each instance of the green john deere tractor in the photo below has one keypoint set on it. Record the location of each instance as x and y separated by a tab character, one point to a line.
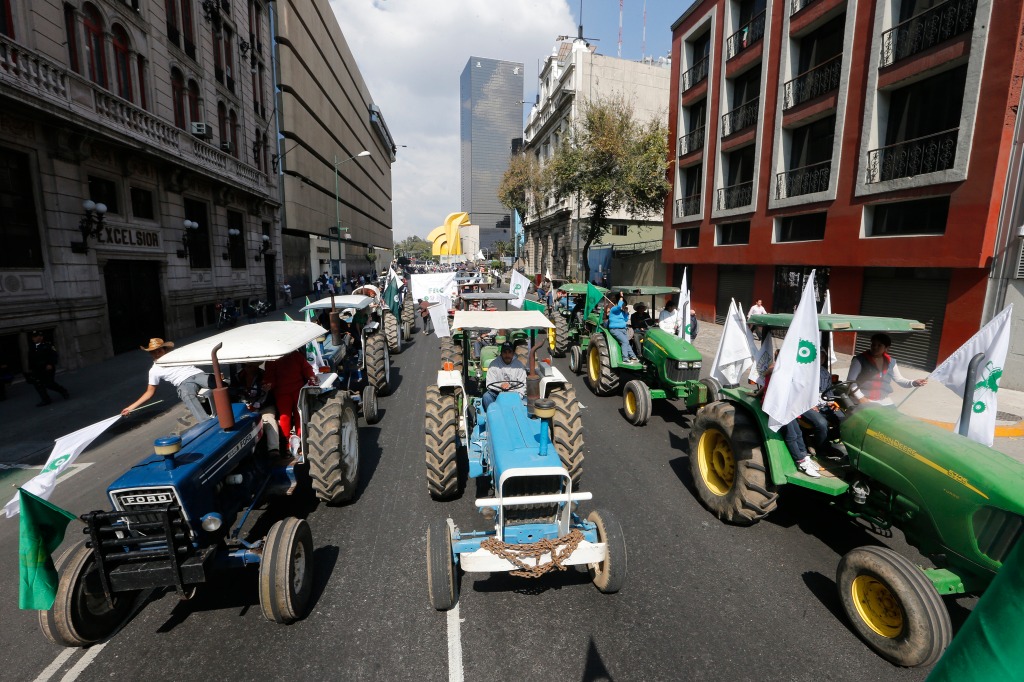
959	502
668	366
571	334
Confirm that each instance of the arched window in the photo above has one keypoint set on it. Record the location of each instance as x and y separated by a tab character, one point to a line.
6	19
264	145
178	96
141	62
256	157
122	62
222	124
186	25
193	101
71	34
95	51
233	124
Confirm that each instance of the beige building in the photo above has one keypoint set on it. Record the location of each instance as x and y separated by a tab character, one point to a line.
572	75
337	201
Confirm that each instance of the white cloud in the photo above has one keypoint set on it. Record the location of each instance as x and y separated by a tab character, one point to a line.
411	54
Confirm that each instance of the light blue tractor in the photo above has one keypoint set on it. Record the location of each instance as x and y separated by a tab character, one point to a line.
527	457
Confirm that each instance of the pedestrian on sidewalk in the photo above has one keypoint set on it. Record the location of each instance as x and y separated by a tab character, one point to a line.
187	380
757	309
42	365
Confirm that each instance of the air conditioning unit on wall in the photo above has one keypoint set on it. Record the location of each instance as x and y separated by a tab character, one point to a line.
226	147
203	130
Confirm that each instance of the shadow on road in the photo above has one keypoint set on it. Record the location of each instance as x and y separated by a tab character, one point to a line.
554	580
369	457
595	668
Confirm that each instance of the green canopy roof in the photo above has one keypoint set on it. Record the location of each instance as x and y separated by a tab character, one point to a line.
843	323
644	290
574	288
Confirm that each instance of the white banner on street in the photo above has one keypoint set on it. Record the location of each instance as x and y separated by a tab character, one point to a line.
431	287
794	385
439	317
993	340
735	354
65	451
518	286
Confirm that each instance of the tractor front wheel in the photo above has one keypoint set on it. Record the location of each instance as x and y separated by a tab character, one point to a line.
575	360
442	585
332	443
714	389
601	378
80	614
609	575
441	427
286	570
559	335
636	402
893	606
727	464
371	415
378	365
567	430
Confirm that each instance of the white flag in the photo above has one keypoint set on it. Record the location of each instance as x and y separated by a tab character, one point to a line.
763	358
826	309
518	286
735	348
547	275
794	385
439	317
431	287
993	340
685	330
65	451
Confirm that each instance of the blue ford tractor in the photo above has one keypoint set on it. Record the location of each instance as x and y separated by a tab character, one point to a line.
181	513
528	459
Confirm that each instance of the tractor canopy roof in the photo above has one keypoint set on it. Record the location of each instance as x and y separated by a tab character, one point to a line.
574	288
644	290
489	296
500	319
251	343
843	323
357	301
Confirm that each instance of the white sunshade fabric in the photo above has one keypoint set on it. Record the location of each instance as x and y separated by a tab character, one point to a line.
250	343
357	301
500	319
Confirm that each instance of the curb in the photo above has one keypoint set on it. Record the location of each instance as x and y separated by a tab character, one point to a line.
1007	431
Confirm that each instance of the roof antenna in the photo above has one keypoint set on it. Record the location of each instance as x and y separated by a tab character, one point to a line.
643	42
620	30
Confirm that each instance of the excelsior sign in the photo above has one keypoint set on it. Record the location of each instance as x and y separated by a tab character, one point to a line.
126	236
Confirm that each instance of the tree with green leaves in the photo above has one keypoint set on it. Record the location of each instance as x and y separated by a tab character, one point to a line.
522	184
414	247
611	162
501	248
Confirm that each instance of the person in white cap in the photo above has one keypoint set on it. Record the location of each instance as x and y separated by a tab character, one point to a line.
187	380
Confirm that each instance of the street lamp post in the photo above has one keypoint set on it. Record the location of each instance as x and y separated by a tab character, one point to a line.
337	201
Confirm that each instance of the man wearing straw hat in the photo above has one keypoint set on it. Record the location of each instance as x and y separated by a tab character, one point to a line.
187	380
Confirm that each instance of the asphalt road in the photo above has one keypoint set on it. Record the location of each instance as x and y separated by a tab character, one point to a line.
703	600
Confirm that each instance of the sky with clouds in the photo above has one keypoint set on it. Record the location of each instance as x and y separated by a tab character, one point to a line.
412	52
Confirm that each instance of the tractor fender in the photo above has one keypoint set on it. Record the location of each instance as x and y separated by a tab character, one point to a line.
449	379
779	461
550	381
614	349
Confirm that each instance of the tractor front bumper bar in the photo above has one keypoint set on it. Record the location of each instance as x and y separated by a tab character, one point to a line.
483	561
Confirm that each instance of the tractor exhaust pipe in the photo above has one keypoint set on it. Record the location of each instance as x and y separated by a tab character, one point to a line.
221	399
532	378
335	323
967	408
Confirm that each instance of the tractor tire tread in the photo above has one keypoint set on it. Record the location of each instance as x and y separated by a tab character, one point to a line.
442	448
567	430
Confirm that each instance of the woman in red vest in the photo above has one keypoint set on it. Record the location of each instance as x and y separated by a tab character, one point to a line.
874	371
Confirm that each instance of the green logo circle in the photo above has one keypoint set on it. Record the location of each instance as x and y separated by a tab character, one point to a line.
56	464
978	407
806	352
689	330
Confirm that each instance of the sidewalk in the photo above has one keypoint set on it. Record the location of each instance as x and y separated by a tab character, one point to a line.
97	392
933	402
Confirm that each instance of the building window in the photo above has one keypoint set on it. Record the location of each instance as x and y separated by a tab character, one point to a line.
790	281
186	27
229	64
810	160
808	227
731	234
193	101
171	15
218	60
236	221
222	125
688	238
263	102
739	189
142	203
6	19
122	62
104	191
140	61
19	230
256	151
178	97
71	35
199	241
618	230
909	218
94	48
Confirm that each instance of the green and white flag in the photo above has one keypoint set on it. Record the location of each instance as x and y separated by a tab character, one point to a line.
994	341
309	313
518	286
390	295
685	326
42	530
794	384
594	297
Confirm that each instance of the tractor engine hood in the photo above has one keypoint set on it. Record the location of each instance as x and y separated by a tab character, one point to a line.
659	343
515	437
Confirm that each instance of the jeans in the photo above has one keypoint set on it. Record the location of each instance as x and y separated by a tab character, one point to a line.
794	440
428	325
188	391
488	398
623	339
820	424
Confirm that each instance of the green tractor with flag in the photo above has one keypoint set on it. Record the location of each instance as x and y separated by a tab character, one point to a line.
959	502
571	333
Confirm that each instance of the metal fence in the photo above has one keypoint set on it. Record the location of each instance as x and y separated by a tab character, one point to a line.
735	196
741	117
691	141
927	29
695	74
928	154
749	34
813	83
804	180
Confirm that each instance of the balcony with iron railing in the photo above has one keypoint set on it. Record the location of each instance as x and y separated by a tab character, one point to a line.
688	206
749	34
812	83
691	141
922	155
740	118
735	196
805	180
927	29
797	5
695	74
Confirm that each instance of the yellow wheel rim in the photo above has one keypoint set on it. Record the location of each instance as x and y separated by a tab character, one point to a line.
551	339
877	606
630	399
716	462
594	363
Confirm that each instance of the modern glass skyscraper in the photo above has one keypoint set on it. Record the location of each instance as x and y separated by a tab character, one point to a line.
491	122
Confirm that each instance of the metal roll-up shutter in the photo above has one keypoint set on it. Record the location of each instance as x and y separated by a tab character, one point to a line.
734	281
907	292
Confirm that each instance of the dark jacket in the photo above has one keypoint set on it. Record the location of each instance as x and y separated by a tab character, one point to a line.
41	355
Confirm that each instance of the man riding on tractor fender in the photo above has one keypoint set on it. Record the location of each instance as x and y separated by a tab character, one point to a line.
505	373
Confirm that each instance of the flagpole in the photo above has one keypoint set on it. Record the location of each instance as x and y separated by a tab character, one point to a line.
141	407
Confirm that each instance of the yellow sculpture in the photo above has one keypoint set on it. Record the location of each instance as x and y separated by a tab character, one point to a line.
446	240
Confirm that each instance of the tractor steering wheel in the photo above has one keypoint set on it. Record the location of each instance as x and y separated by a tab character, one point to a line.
513	385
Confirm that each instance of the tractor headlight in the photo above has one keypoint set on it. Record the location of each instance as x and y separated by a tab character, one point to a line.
211	521
683	364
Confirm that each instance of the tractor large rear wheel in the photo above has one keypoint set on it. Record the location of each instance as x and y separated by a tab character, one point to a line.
332	442
601	378
567	430
559	342
893	606
391	332
378	365
728	467
451	352
441	427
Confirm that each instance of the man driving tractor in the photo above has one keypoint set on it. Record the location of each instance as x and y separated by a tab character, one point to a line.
505	373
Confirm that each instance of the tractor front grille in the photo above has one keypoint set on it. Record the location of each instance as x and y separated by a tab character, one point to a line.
675	374
531	485
146	504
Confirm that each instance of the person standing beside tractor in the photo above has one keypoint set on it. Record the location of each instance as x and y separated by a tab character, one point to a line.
505	373
42	363
874	371
618	319
186	380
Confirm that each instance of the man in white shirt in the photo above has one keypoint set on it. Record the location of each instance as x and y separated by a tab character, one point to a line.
668	319
505	373
757	309
187	380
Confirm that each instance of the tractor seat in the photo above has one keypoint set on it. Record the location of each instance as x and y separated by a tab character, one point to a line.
487	354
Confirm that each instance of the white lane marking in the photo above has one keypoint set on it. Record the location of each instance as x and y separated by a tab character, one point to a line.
57	664
83	663
455	673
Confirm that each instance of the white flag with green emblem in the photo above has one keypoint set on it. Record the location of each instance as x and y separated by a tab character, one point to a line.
685	326
994	341
517	286
793	385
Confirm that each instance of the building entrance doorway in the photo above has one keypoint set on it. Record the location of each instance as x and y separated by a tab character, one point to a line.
134	305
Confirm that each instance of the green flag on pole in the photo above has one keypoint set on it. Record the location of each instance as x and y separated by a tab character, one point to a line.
534	305
309	313
288	318
391	298
42	530
593	298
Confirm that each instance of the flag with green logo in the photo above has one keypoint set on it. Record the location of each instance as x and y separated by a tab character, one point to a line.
391	298
309	313
793	387
42	530
594	296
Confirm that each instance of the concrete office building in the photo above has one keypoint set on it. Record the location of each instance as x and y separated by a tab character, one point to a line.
491	122
337	204
121	122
